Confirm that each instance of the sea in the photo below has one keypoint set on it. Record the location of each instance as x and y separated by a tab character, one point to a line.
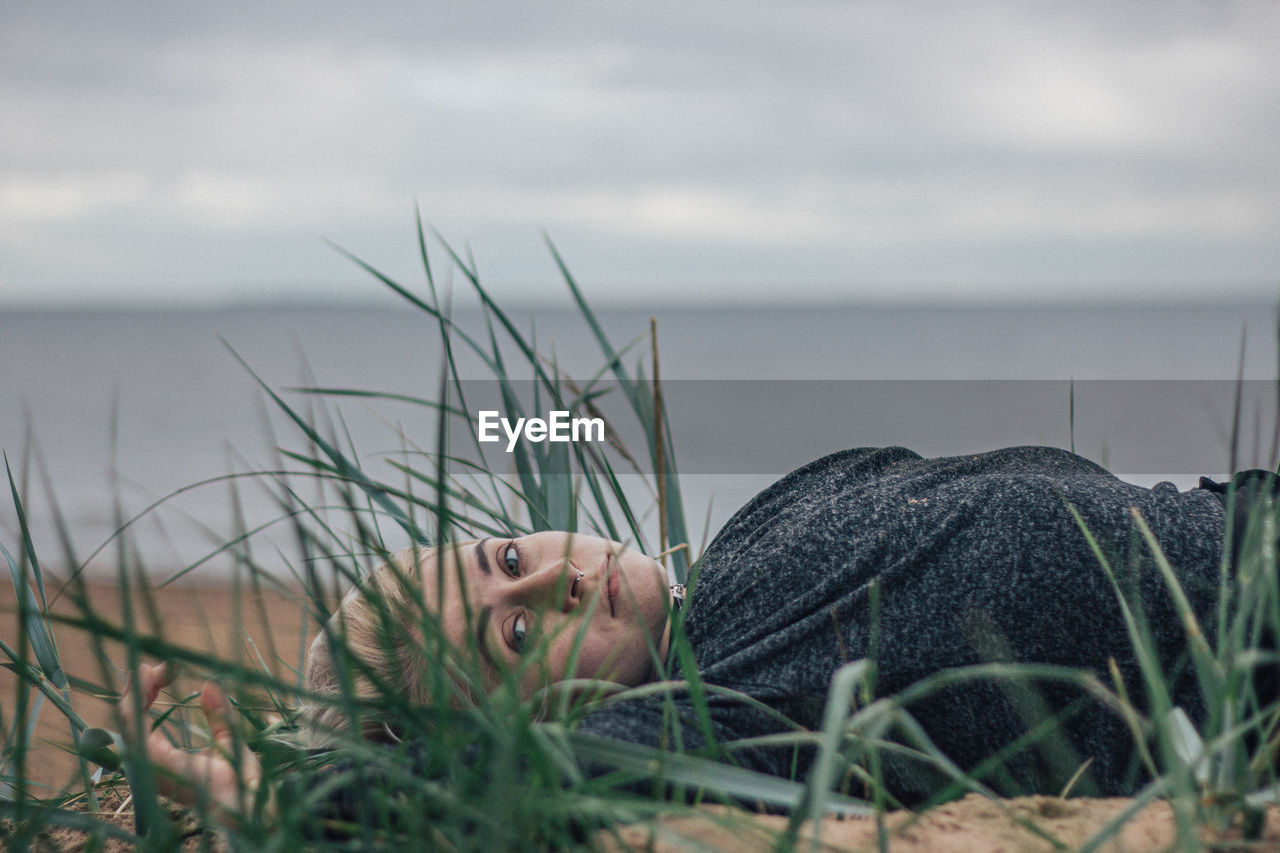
139	437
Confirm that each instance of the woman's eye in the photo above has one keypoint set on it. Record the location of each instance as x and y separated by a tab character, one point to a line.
519	632
511	557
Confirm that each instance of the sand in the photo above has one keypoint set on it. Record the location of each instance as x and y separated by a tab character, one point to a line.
971	825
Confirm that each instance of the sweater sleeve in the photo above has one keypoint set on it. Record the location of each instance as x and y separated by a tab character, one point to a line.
675	726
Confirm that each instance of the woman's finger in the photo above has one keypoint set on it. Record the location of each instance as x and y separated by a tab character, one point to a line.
153	679
149	680
218	713
217	710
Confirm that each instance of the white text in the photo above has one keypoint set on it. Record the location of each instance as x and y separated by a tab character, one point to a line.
557	427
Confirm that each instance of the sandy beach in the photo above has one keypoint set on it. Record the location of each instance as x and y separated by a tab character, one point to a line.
209	618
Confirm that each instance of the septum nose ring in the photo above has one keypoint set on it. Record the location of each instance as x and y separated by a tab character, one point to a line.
573	587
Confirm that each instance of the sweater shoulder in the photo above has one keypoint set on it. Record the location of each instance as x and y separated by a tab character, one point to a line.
822	474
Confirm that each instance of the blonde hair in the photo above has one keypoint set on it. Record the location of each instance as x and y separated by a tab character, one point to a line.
375	633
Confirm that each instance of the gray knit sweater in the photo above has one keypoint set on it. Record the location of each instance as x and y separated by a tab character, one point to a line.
977	559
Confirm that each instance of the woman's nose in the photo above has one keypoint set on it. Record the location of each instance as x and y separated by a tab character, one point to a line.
557	587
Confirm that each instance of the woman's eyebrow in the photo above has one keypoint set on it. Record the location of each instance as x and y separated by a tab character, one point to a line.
482	643
481	557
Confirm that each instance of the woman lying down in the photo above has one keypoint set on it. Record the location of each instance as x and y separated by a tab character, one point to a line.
969	560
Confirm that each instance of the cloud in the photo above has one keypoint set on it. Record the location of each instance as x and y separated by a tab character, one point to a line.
68	195
827	140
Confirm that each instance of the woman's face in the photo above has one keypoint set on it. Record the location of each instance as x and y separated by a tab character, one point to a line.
546	589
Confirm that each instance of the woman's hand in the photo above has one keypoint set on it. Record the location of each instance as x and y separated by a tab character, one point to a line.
226	774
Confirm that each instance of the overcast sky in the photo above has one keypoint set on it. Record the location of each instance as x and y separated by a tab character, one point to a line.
195	153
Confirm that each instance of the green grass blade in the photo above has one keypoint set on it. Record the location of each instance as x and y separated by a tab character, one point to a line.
702	774
42	645
1208	669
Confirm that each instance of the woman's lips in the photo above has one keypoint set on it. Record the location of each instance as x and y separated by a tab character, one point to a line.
610	588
